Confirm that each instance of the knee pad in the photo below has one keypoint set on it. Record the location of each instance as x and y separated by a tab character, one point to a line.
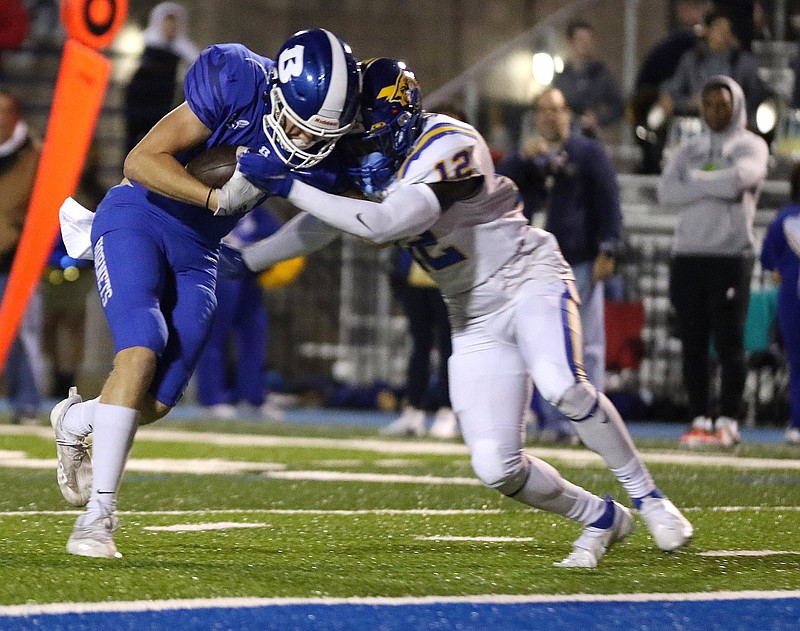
506	473
579	401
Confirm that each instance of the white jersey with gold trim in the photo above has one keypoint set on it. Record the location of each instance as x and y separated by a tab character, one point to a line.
481	248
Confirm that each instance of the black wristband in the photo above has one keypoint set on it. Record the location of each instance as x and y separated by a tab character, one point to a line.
208	197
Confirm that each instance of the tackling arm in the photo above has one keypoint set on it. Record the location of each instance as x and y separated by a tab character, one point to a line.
301	235
406	212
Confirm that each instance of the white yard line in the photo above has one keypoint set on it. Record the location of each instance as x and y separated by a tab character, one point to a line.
369	511
219	525
239	603
479	539
744	553
573	456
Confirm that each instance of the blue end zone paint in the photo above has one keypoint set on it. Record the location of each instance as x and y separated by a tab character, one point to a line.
782	614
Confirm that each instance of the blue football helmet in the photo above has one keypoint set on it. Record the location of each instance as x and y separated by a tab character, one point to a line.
391	113
314	86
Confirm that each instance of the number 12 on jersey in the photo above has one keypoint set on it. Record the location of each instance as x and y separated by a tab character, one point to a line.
458	167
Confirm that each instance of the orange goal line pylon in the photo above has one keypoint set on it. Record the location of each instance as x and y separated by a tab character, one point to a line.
77	100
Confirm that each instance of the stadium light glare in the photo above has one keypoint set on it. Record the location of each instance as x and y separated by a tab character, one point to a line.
543	68
766	116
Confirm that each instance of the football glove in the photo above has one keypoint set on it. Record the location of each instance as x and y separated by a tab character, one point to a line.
238	195
269	173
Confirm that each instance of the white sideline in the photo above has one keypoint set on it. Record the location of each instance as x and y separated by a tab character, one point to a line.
572	456
239	603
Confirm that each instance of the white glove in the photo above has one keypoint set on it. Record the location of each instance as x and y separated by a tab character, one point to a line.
238	195
76	229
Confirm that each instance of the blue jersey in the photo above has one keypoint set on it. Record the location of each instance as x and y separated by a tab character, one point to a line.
227	88
155	257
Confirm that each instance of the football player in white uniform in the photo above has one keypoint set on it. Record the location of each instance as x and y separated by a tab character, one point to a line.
431	185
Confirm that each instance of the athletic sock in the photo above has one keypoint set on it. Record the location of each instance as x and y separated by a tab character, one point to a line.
637	501
546	489
604	432
636	479
79	418
114	429
607	518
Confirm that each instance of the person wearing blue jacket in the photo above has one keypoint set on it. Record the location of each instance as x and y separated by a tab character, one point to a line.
779	253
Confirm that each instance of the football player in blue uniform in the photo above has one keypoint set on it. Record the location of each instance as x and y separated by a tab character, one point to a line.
156	241
431	185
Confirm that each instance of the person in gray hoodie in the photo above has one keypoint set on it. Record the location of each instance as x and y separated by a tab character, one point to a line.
714	181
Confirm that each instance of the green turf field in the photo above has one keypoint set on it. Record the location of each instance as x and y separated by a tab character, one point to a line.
320	511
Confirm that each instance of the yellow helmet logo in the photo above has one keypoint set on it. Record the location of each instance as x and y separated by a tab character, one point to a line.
401	91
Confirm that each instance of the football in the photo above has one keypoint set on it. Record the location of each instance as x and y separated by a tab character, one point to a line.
213	167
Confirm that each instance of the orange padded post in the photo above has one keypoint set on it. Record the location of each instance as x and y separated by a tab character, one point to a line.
77	99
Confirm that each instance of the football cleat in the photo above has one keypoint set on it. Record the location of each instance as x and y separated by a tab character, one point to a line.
701	434
727	431
92	536
410	423
669	527
593	543
74	468
445	424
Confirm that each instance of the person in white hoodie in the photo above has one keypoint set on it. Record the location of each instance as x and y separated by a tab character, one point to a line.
714	180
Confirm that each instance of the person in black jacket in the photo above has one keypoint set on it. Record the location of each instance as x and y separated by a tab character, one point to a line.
150	94
591	91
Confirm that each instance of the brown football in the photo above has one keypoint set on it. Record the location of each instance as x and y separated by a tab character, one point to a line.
213	167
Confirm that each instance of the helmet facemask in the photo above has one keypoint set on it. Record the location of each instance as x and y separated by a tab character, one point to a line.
296	154
313	93
392	118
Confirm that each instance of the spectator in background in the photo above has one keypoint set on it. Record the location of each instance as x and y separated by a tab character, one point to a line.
68	284
19	159
571	177
151	92
720	52
428	325
781	254
241	317
714	181
658	66
14	25
590	89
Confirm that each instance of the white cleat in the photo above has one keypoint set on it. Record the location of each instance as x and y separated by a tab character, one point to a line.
669	527
445	424
410	423
92	537
728	431
593	543
74	469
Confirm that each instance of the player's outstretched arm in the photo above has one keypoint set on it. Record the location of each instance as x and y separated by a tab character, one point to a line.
152	162
303	234
407	211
